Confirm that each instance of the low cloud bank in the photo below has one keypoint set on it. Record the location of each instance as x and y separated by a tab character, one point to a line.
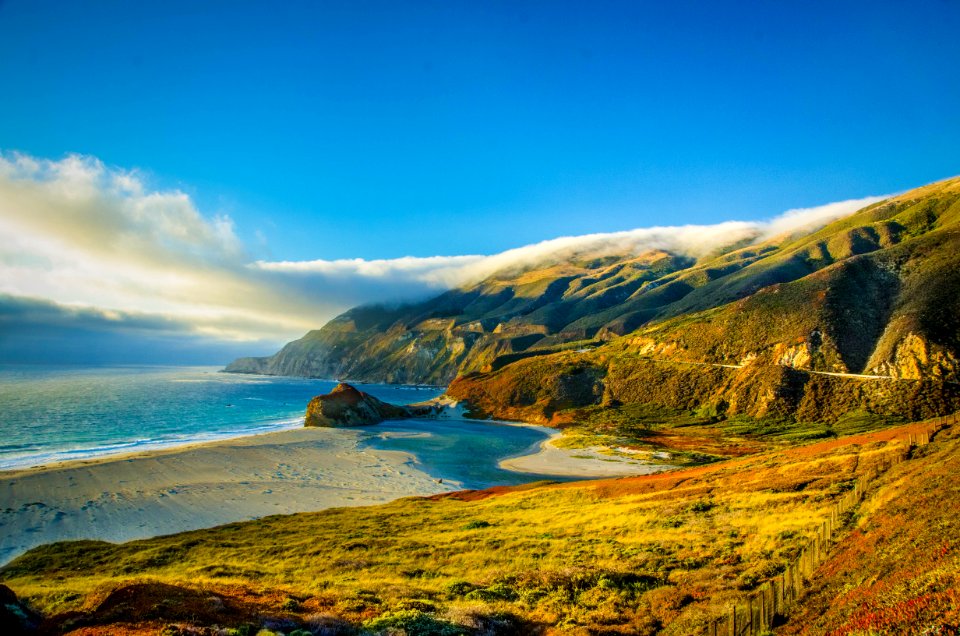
103	253
691	240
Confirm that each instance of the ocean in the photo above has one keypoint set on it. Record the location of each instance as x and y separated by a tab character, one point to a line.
52	414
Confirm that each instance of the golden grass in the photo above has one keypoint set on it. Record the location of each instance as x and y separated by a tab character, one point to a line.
636	555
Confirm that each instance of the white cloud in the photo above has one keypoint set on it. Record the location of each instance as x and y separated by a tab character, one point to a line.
81	234
691	240
435	271
808	219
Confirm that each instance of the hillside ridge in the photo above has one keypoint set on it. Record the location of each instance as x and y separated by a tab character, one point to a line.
876	293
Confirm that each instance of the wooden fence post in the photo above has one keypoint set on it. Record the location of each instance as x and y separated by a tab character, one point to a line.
762	623
771	605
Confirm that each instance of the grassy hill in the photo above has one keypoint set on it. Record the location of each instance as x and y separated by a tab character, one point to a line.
898	571
878	288
656	554
781	339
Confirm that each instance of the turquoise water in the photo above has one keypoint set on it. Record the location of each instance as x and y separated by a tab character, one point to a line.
53	414
461	450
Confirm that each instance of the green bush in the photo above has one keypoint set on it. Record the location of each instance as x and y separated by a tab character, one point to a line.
496	592
290	605
702	506
459	588
419	604
412	623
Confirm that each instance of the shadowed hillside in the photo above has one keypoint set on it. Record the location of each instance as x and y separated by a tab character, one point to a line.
876	292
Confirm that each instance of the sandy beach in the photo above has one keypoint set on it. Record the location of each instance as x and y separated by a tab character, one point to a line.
585	463
125	497
165	491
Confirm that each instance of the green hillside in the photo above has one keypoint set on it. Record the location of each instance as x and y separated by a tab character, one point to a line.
875	293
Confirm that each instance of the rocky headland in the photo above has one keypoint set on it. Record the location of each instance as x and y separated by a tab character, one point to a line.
346	405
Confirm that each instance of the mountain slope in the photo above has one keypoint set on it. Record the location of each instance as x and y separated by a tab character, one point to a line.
880	287
898	572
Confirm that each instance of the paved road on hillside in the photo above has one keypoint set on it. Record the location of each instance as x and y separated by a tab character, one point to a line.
860	376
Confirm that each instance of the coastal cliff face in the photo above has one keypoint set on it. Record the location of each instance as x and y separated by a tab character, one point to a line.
551	390
347	406
746	330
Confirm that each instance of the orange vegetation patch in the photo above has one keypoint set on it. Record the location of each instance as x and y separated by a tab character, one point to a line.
899	572
897	433
705	440
668	480
477	495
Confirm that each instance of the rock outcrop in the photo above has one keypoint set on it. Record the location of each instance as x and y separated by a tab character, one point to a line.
348	406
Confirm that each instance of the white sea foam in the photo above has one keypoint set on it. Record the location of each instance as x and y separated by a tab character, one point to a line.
15	461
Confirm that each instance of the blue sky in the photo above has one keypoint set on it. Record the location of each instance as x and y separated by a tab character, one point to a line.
223	176
377	130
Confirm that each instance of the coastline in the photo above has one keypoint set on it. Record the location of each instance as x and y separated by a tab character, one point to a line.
140	448
154	491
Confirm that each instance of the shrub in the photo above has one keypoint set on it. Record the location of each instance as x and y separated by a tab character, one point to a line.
413	623
459	588
422	605
477	523
703	505
496	592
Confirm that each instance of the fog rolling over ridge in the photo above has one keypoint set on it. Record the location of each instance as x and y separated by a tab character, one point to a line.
580	291
689	240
